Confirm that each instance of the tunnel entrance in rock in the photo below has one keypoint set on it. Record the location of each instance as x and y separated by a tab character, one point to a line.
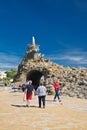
35	76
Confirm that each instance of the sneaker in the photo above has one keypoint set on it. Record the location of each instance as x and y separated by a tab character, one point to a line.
43	106
54	100
59	100
27	105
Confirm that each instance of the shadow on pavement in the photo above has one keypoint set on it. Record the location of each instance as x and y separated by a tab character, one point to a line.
18	105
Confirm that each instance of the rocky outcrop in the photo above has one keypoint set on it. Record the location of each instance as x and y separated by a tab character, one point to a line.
36	68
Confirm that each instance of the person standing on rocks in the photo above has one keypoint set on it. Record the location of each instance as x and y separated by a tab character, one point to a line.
28	92
56	88
41	91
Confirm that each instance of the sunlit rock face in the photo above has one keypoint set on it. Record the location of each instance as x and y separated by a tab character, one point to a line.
35	67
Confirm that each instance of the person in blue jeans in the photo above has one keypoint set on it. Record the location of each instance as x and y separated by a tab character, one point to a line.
41	91
57	88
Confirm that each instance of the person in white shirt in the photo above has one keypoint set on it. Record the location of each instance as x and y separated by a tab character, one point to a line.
41	91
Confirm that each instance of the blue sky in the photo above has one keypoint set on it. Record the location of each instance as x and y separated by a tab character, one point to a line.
59	27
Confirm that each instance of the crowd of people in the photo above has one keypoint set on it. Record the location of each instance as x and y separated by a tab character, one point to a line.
41	90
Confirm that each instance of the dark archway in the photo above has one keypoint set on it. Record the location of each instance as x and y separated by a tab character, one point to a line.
35	76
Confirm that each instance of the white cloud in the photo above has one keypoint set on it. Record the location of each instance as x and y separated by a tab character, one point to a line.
6	65
71	57
8	61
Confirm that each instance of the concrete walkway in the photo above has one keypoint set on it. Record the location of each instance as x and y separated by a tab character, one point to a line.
70	115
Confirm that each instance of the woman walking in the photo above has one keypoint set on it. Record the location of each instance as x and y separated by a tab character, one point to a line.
57	88
41	91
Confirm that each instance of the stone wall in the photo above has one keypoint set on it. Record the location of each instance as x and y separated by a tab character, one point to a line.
73	80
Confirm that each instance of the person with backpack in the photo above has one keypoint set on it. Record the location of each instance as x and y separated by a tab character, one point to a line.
56	88
28	92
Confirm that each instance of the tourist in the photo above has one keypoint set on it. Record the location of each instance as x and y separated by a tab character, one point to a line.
57	88
41	91
28	91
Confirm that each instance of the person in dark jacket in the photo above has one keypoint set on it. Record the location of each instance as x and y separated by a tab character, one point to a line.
28	92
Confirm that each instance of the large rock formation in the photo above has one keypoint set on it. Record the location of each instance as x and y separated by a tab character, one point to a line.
36	68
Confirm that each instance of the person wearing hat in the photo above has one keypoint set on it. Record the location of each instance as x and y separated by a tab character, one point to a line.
28	93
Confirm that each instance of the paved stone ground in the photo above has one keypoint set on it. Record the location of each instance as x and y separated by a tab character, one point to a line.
71	114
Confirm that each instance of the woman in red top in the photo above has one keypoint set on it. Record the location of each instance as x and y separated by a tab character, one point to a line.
57	88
